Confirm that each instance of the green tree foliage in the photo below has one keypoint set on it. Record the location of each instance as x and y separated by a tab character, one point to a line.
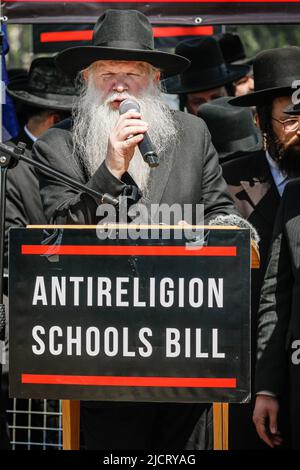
259	37
20	46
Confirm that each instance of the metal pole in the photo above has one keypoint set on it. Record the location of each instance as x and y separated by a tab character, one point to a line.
2	210
3	175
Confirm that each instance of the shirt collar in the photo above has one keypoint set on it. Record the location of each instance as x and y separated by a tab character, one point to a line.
31	136
280	177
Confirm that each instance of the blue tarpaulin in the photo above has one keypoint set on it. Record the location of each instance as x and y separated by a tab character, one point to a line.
9	119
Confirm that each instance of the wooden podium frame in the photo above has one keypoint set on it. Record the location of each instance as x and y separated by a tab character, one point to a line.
71	408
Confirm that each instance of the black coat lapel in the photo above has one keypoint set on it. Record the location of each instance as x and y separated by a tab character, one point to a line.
159	176
23	137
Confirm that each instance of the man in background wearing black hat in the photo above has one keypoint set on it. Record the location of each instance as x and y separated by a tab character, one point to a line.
101	150
256	182
234	53
232	129
208	76
44	98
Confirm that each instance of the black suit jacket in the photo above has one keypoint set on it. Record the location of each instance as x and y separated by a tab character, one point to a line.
279	312
255	195
23	137
23	203
188	173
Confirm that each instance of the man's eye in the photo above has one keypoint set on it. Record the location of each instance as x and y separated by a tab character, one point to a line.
241	81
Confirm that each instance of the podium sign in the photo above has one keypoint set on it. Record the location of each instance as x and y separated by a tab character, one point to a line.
161	320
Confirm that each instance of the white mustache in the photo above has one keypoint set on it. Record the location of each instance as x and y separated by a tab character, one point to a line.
118	96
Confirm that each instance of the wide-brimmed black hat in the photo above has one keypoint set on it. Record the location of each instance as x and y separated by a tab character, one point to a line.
208	68
121	35
293	109
232	129
274	72
233	49
44	87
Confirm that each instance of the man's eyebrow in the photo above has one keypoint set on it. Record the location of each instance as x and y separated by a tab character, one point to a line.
106	69
287	117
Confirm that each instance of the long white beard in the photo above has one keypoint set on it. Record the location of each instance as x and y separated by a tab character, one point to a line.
94	120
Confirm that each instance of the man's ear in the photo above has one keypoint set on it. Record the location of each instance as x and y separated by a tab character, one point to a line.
85	74
157	75
54	119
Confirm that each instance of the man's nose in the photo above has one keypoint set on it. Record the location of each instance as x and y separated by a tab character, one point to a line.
120	85
251	84
120	88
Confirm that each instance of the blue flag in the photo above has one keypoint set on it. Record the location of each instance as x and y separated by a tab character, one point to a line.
10	126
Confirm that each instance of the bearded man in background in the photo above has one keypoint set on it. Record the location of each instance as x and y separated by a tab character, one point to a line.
101	150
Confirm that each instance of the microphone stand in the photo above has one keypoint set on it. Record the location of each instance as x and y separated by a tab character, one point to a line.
9	158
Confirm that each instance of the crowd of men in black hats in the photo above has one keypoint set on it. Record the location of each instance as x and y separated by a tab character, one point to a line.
236	113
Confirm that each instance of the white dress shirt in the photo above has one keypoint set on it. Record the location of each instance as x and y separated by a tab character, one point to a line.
280	178
31	136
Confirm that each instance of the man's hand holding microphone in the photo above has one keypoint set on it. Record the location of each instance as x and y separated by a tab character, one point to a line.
129	132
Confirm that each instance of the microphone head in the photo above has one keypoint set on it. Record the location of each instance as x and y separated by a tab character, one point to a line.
128	104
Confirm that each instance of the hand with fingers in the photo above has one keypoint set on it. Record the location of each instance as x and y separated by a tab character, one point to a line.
265	418
129	132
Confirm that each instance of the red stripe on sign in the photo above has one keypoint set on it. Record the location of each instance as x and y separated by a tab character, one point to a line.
163	32
111	250
159	32
63	36
129	381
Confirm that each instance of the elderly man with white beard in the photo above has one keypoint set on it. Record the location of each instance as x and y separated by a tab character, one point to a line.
100	148
97	121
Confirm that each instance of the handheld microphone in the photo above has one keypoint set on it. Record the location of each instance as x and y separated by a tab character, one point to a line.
145	146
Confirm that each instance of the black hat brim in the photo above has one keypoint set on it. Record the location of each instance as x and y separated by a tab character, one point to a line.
20	91
235	72
246	61
261	97
73	60
242	146
245	151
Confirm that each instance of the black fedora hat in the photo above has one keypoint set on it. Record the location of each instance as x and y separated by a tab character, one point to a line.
208	68
232	129
293	109
233	49
274	72
121	35
44	87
